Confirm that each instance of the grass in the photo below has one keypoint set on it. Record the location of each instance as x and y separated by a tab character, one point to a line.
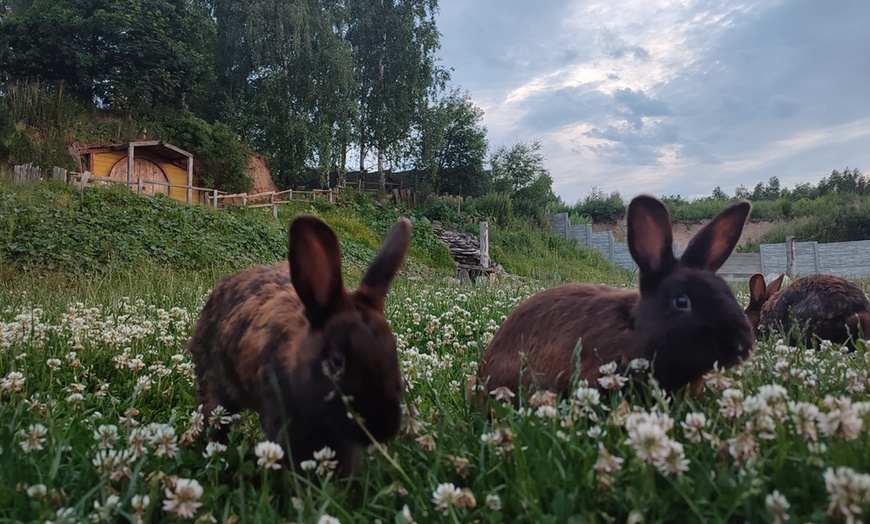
93	360
123	348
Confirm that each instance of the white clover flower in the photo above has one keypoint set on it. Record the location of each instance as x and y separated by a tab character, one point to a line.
140	503
674	462
547	412
444	496
325	463
164	440
731	403
777	504
693	426
493	502
75	399
106	435
37	491
308	465
649	441
214	450
34	437
53	363
269	455
13	381
842	420
848	491
328	519
183	501
607	463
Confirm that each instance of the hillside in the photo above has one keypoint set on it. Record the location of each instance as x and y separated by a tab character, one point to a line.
52	227
753	231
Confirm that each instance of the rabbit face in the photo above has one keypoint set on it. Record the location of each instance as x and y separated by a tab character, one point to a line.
690	321
354	356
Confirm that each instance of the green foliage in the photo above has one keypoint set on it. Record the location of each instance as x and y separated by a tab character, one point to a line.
601	207
130	55
495	206
836	224
551	259
519	171
221	156
452	146
57	228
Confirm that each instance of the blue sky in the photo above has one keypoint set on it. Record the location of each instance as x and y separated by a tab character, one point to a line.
669	96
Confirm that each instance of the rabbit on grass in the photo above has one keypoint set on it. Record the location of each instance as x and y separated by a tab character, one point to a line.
683	319
290	342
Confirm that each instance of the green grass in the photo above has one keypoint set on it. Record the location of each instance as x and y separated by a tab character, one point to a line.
549	474
96	346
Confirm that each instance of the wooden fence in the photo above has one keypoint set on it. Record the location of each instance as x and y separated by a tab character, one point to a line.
207	196
844	259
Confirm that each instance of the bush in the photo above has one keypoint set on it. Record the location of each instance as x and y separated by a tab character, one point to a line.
222	158
600	207
495	206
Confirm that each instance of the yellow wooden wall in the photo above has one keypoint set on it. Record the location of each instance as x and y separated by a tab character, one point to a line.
103	163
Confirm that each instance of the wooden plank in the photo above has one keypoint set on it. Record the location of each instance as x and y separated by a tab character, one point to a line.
189	179
484	243
130	162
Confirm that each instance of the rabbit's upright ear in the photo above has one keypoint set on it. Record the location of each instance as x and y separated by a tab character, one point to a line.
315	267
650	239
713	244
757	289
773	287
380	273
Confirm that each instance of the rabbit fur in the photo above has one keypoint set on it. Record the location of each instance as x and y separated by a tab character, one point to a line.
278	339
683	319
814	307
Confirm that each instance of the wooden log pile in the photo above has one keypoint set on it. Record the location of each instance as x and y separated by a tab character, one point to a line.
464	246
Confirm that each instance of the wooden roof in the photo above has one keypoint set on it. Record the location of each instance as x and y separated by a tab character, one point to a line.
159	147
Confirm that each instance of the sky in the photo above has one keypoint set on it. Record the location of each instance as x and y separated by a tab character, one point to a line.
668	97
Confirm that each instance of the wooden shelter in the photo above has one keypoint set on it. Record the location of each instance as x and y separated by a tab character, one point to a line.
152	166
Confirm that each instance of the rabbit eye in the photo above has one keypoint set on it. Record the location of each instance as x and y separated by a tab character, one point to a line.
682	302
336	359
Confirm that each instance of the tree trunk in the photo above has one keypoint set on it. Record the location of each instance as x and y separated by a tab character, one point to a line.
382	178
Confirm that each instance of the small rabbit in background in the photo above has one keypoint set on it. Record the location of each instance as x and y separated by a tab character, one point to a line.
814	307
290	342
683	319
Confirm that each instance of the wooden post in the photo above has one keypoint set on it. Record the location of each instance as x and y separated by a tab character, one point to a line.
189	179
790	266
130	162
274	211
139	185
484	243
215	198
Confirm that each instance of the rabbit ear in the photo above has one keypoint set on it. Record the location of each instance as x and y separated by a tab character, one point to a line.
773	287
376	282
757	289
650	239
712	246
315	267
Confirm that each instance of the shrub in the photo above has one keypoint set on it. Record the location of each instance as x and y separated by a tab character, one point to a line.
601	207
495	206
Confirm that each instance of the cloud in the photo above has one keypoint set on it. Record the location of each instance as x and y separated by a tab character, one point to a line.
669	96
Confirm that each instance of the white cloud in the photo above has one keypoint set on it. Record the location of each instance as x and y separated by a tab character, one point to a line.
668	96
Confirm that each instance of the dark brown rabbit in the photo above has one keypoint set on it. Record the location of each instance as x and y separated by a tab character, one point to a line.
683	319
277	339
814	307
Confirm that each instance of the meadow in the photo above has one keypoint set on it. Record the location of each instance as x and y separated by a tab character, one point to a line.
101	423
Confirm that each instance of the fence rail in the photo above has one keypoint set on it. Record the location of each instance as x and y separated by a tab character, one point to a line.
208	196
844	259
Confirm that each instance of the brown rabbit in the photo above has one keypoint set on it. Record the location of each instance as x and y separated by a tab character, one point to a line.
822	307
278	339
683	319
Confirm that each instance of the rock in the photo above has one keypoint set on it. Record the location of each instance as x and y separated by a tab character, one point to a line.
450	280
424	219
463	276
